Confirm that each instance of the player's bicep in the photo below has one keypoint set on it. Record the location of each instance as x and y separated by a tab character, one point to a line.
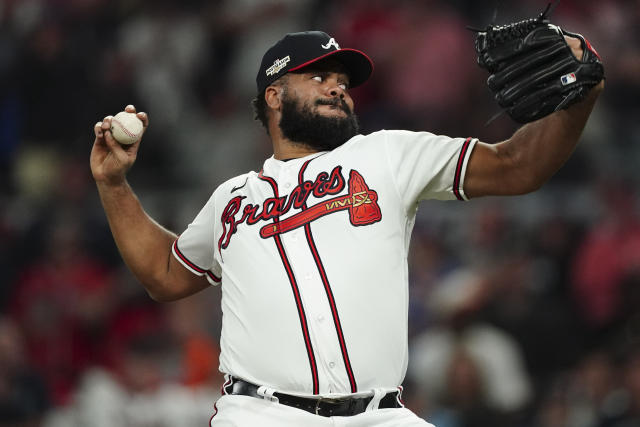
492	171
180	282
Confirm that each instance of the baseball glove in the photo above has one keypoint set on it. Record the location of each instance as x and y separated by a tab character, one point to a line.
533	71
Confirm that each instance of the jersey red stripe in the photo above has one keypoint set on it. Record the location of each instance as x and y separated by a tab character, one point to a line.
329	292
193	266
296	294
458	174
213	277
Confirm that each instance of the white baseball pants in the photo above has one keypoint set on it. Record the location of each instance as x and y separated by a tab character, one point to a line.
246	411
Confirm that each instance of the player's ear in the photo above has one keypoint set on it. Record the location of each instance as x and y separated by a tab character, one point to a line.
273	97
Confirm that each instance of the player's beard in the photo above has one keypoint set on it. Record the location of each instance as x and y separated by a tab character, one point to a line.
300	124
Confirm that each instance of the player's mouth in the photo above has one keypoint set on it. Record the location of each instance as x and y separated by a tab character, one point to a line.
336	105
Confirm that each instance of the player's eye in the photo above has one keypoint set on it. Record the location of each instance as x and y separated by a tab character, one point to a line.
317	78
343	86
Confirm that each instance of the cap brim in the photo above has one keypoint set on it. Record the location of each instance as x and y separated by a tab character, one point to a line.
358	65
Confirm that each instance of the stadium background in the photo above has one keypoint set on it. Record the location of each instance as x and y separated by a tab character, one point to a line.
524	310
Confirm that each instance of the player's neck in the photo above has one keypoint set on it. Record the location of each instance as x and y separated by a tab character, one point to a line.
285	149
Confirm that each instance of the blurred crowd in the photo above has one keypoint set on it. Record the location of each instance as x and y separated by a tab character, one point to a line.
525	311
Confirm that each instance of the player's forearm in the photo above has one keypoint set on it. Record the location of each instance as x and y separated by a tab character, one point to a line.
538	149
144	245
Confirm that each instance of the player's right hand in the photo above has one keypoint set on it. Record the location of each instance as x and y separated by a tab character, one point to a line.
109	160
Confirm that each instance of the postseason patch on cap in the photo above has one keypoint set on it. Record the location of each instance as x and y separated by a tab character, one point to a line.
567	79
278	65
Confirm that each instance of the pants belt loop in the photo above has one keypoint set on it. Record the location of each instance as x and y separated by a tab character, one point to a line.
267	394
378	394
399	396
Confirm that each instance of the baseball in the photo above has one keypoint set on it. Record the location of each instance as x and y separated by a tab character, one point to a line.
126	128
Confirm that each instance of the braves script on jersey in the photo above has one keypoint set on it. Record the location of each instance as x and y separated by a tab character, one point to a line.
312	257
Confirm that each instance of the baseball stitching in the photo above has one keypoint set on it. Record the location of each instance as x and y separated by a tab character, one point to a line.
124	129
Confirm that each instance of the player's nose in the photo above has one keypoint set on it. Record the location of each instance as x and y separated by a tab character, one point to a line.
337	92
335	88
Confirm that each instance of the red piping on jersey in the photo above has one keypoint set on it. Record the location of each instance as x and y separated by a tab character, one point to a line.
296	294
456	180
327	287
193	266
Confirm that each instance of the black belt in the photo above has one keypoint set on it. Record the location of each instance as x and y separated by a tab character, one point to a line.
325	407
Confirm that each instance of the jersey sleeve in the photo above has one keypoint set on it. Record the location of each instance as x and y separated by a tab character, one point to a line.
428	166
195	248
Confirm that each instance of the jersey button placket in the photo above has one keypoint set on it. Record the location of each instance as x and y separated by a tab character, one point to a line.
323	331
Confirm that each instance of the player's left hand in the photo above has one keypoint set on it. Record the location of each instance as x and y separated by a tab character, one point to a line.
576	46
536	67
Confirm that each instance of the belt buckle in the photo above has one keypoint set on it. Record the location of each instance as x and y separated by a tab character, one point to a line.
337	401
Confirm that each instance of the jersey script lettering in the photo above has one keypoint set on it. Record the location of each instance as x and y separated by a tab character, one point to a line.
325	184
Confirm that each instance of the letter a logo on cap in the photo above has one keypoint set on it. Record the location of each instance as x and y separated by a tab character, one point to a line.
332	42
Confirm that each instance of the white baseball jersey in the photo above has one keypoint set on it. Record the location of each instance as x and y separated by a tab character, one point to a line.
312	253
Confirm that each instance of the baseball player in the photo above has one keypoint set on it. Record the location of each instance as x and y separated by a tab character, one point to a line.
310	252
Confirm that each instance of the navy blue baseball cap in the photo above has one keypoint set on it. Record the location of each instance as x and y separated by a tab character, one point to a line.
297	50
